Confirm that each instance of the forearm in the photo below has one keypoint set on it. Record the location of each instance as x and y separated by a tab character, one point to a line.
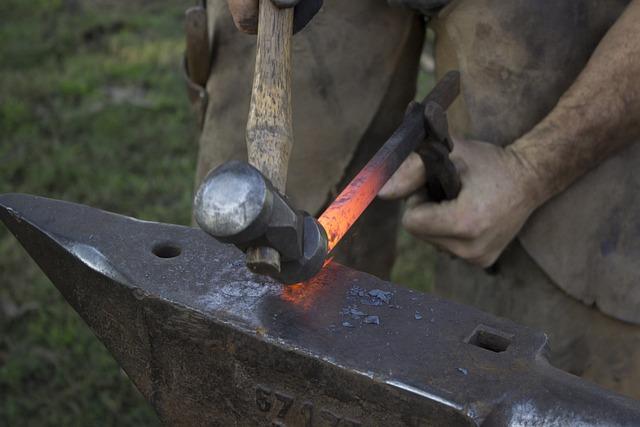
598	115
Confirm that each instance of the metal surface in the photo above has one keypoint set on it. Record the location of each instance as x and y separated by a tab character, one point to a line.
209	343
235	201
237	204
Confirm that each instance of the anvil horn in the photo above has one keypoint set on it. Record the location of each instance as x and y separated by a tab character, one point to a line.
209	343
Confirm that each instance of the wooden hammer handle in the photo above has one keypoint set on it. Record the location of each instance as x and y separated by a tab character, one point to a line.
269	129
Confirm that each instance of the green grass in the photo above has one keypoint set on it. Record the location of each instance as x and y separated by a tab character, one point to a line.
93	110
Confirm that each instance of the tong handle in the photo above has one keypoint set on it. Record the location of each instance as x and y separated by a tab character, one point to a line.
443	180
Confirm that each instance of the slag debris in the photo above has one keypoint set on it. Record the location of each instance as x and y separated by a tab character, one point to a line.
381	295
356	291
353	312
372	320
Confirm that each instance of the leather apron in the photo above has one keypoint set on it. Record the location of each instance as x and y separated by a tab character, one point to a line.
517	58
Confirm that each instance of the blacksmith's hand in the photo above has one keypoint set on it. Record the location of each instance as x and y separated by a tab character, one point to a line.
498	195
245	13
425	7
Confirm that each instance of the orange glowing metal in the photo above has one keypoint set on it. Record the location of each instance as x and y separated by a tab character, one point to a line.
294	293
345	210
354	199
303	294
351	203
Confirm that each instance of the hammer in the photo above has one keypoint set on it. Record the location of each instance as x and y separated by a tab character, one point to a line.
238	204
229	207
244	204
269	129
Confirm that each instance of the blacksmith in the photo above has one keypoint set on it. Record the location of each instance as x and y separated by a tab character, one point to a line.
546	124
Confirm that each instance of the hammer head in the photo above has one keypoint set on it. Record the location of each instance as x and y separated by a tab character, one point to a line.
237	204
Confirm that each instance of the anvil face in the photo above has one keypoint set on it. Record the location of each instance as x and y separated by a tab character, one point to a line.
209	343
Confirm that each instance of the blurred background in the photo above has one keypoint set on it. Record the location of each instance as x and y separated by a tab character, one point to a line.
93	110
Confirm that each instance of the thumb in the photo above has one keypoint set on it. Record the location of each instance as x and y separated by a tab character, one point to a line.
431	219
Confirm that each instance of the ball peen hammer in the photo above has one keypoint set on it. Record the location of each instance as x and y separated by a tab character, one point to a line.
269	129
244	203
237	204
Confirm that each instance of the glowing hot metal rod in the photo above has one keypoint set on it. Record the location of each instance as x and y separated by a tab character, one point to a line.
237	204
424	124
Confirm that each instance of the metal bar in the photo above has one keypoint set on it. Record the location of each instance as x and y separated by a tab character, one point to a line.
345	210
446	91
209	343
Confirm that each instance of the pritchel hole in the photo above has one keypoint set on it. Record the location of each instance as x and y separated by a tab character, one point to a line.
166	250
490	339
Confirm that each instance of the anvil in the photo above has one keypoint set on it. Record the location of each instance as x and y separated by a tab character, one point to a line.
207	342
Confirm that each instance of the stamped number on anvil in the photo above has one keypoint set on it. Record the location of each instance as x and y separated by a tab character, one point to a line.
283	407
